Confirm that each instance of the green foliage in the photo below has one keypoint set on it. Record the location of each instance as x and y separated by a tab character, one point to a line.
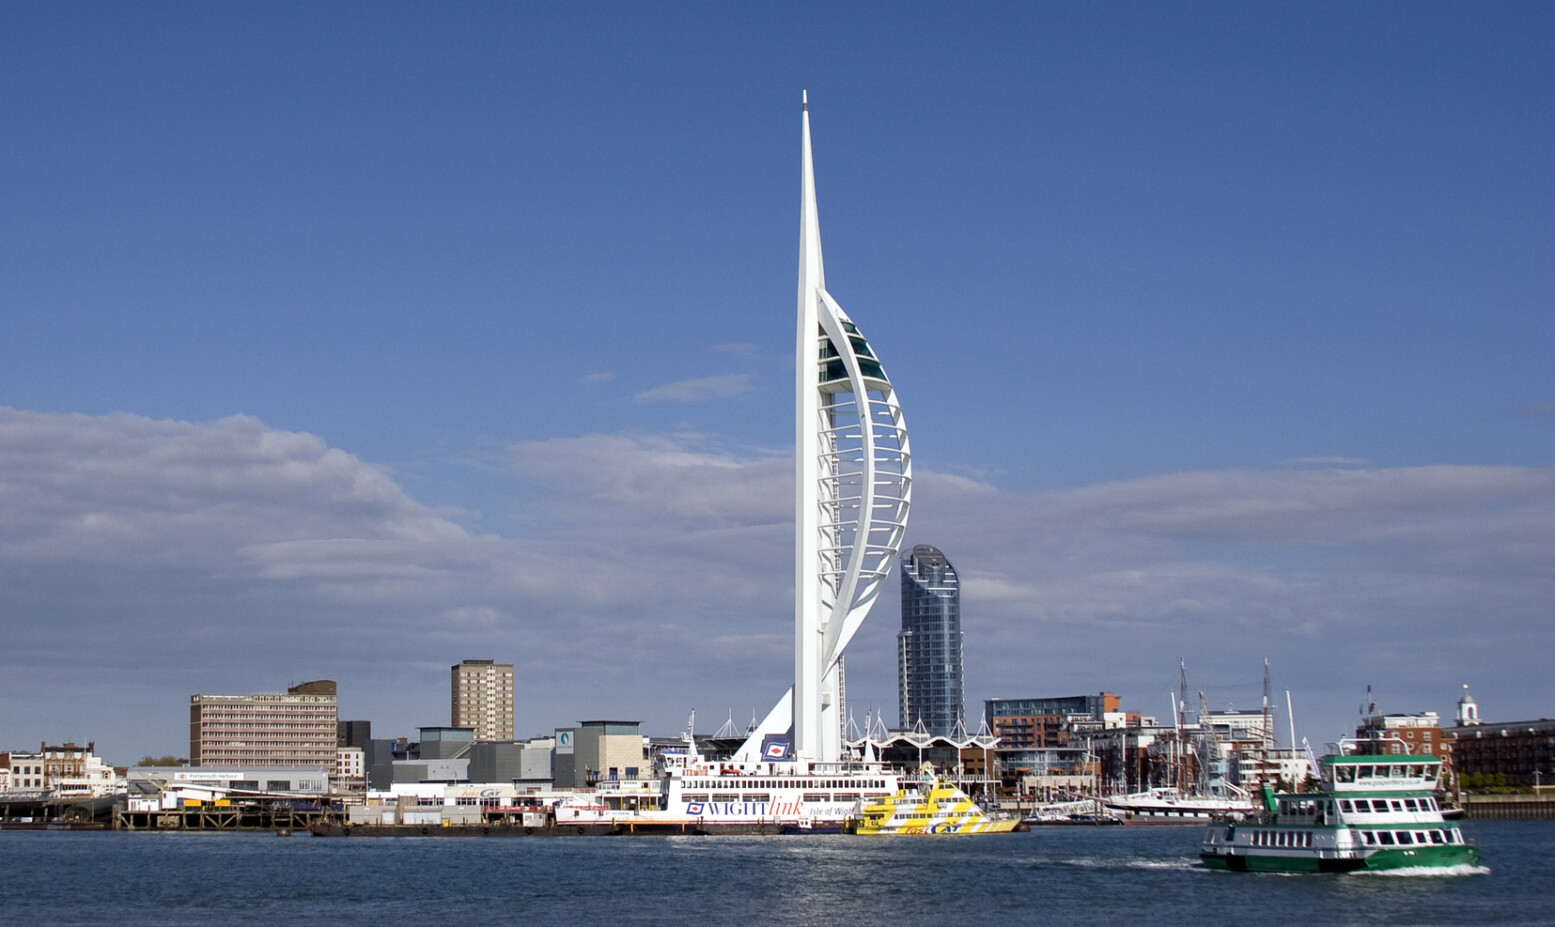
168	760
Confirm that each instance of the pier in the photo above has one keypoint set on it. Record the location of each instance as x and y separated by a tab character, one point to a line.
1508	807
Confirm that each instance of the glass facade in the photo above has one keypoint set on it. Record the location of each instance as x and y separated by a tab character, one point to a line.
929	669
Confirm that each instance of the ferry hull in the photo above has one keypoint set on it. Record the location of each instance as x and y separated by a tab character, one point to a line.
1446	857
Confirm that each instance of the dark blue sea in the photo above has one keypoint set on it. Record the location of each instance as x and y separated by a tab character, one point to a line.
1053	876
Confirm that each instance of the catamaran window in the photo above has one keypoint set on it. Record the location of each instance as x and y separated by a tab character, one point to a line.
1345	806
1378	805
1436	836
1385	838
1369	837
1405	837
1409	805
1398	805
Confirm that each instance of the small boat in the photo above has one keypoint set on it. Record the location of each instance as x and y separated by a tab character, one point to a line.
1371	811
927	805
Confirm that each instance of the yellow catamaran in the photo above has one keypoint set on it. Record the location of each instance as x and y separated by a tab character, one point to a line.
927	805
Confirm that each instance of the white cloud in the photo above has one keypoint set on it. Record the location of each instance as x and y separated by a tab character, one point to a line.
701	389
232	556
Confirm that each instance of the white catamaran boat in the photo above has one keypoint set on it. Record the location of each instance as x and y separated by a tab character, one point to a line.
1371	811
1171	806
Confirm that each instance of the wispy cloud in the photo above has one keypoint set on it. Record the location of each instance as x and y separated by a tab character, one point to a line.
594	379
1329	461
700	390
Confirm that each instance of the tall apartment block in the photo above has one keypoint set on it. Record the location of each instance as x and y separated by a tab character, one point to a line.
295	729
483	699
931	686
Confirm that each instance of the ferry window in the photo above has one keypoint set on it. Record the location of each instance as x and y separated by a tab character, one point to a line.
1345	806
1436	836
1405	838
1429	804
846	796
1367	772
695	796
1409	805
1398	805
1379	805
758	797
816	796
1385	838
726	796
1368	837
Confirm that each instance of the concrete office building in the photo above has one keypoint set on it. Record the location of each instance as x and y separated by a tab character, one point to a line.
300	728
482	699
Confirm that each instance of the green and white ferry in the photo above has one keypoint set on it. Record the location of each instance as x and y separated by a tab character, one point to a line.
1372	811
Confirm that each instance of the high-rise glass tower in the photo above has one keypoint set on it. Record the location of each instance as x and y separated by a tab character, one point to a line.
931	684
853	476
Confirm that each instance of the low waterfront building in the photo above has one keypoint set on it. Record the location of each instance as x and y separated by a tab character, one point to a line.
1404	733
350	769
1519	753
605	750
1045	722
65	771
163	787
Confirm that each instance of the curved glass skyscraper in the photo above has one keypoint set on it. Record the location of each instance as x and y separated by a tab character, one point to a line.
929	671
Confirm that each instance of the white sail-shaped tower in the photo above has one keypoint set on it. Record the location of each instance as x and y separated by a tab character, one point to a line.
853	474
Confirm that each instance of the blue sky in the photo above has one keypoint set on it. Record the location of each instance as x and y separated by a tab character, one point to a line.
353	340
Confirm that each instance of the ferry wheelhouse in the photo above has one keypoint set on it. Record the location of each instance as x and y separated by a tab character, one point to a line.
1372	811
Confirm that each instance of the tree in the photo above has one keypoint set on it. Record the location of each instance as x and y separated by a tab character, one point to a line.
168	760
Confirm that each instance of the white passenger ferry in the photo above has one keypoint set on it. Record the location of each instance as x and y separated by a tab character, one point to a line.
696	795
1371	811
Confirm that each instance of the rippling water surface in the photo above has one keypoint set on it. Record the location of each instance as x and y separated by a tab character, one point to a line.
1055	876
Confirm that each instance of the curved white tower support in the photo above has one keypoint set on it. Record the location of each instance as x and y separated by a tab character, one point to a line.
853	472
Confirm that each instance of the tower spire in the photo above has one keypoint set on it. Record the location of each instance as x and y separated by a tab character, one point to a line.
853	479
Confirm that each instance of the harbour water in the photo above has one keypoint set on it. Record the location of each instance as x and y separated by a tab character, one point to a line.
1054	876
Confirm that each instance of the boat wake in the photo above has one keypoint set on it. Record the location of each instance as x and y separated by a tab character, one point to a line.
1180	864
1433	872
